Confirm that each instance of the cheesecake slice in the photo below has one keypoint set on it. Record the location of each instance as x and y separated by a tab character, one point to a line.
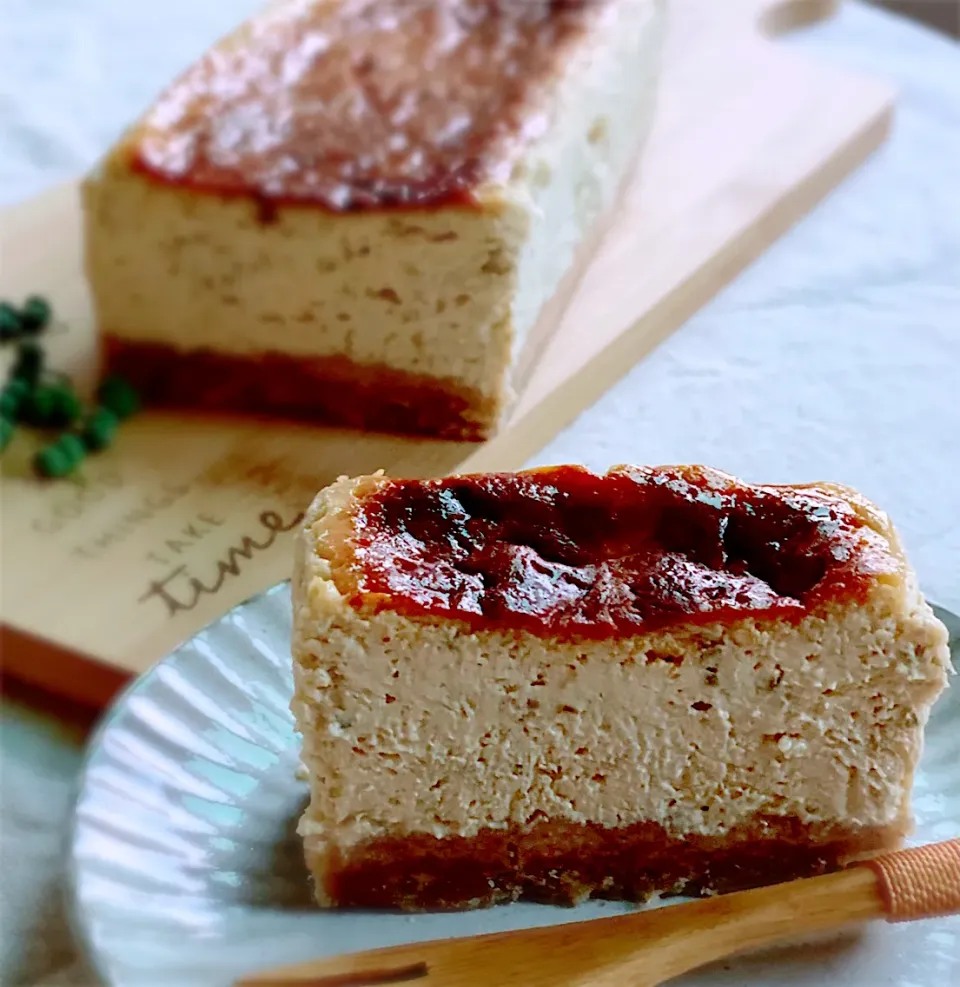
555	684
357	210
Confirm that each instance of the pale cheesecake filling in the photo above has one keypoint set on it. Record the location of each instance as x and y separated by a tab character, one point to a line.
422	725
428	295
699	732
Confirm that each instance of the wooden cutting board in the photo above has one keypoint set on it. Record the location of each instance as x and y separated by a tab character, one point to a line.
186	516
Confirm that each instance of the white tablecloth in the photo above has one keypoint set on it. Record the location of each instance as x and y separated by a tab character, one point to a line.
837	356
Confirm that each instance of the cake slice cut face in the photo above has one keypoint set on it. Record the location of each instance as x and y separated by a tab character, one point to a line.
356	210
555	684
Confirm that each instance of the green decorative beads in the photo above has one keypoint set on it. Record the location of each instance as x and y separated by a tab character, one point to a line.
7	429
29	320
118	396
99	429
12	396
50	406
29	362
73	446
53	462
67	407
60	458
40	407
35	315
10	325
37	397
43	405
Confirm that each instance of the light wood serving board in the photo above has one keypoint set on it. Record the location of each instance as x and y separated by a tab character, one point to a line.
187	516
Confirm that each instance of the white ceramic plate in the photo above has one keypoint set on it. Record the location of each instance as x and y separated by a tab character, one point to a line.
186	869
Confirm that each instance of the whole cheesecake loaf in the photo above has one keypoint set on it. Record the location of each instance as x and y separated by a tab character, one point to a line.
356	210
557	684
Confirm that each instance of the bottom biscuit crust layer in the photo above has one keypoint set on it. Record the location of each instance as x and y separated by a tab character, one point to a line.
328	389
566	863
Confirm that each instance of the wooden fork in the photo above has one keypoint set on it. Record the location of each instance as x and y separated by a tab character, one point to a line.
646	948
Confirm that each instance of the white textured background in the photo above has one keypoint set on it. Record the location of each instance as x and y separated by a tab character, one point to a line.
837	356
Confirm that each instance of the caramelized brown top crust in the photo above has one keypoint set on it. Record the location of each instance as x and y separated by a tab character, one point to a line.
363	104
563	551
